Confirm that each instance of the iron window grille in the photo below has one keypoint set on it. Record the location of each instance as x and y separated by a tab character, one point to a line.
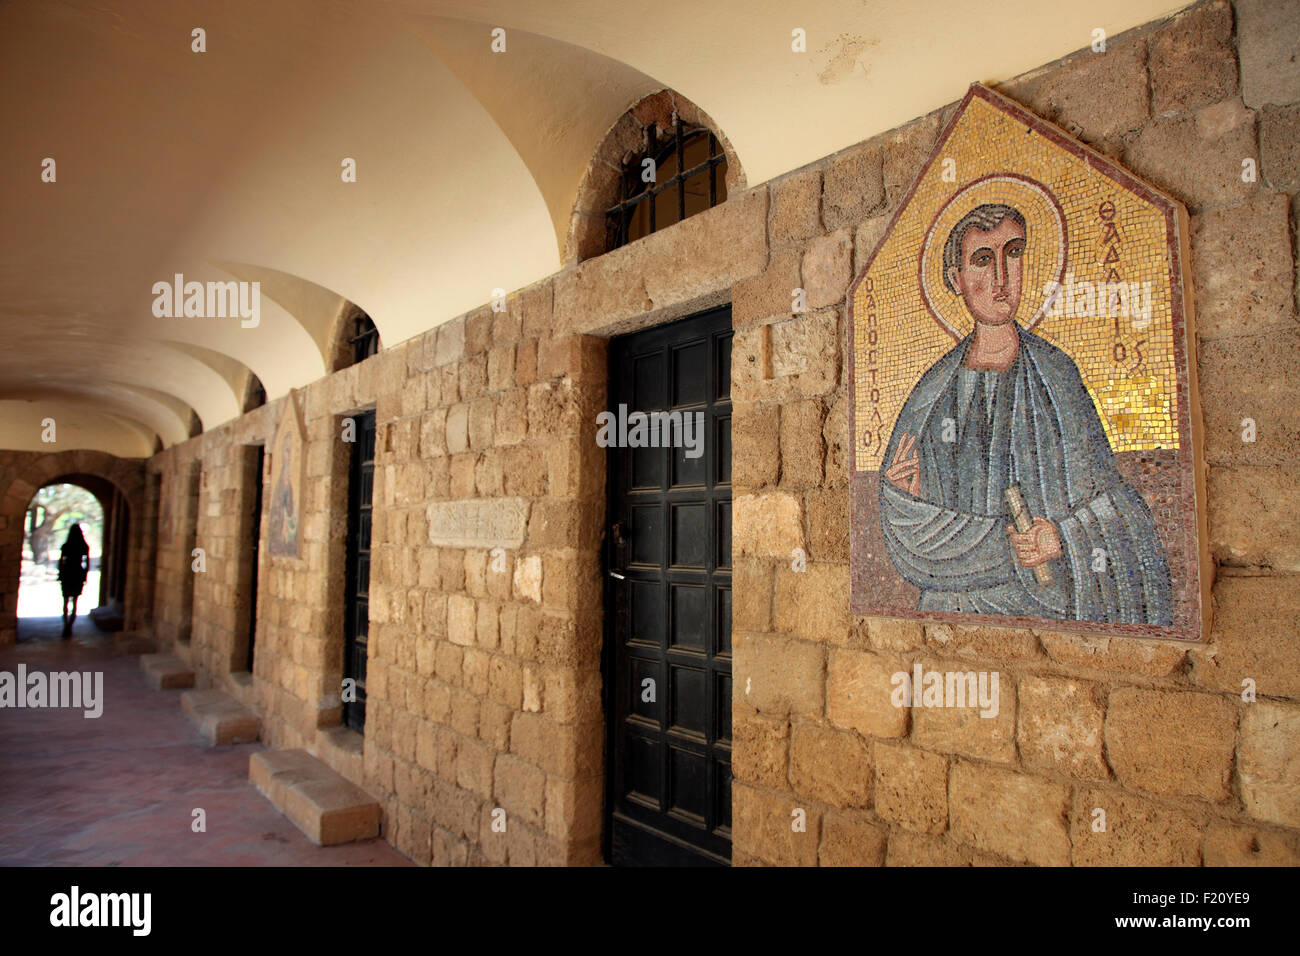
645	207
365	338
256	394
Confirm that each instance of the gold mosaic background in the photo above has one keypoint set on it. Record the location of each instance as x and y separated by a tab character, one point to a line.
1136	398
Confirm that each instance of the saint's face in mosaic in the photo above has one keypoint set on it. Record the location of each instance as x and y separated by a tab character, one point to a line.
982	262
999	492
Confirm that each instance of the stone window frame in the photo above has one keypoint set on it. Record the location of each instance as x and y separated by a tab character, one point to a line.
342	330
626	140
335	586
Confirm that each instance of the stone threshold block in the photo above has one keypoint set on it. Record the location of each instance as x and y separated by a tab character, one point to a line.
166	671
322	804
134	642
220	718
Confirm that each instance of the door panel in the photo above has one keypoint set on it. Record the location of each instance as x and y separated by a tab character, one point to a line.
255	529
669	598
357	595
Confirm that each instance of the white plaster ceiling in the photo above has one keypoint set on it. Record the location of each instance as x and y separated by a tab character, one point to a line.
226	164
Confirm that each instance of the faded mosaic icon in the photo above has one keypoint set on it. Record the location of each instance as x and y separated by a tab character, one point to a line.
1022	410
287	454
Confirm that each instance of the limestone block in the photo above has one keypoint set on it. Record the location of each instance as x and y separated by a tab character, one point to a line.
457	424
827	268
1114	654
1254	636
667	270
767	526
1196	157
807	603
802	447
1266	44
1230	845
461	622
760	748
778	676
1095	96
220	718
911	787
326	807
828	525
751	587
482	416
1138	832
1252	523
887	634
860	693
963	730
853	186
770	294
1192	60
478	331
1279	147
755	445
850	840
1268	762
1002	643
762	824
1254	295
520	789
830	766
1015	815
1171	742
1250	377
451	342
795	206
1060	727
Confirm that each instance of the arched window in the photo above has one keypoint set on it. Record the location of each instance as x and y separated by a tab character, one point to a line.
364	338
663	160
254	394
681	171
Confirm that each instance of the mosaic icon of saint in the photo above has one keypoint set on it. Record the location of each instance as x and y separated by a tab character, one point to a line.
1002	428
284	516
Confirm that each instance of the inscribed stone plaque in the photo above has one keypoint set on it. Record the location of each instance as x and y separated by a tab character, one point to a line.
478	523
1023	415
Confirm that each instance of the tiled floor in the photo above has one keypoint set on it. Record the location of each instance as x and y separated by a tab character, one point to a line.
120	790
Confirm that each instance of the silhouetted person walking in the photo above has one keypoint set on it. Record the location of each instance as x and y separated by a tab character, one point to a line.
74	565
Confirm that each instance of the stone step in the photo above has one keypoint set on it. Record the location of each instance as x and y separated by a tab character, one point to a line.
220	718
166	671
134	642
323	805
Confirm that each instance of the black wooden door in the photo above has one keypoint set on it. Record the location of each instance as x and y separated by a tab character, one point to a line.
361	484
668	591
255	553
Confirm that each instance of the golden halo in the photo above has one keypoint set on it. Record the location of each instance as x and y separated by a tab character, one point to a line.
1045	248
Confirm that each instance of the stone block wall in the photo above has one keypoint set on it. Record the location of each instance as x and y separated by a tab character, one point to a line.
484	670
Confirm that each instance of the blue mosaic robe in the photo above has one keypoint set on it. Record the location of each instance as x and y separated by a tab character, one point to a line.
1039	430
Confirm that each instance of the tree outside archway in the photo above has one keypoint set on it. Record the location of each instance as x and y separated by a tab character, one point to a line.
52	511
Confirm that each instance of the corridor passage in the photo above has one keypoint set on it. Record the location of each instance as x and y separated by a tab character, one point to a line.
120	790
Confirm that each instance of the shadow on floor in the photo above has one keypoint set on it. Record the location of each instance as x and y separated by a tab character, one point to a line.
122	789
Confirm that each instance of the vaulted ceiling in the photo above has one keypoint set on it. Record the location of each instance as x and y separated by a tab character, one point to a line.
225	165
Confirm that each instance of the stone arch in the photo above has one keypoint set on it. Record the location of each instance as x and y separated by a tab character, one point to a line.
341	330
33	472
599	187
